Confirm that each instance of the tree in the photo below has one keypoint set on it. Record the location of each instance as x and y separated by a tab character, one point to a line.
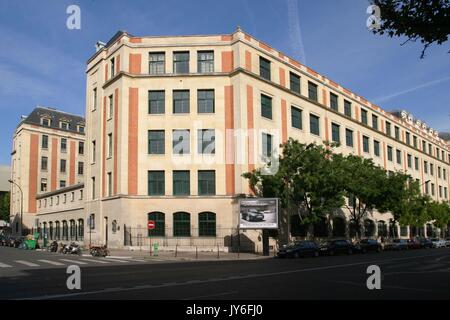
363	186
424	20
439	213
4	206
308	181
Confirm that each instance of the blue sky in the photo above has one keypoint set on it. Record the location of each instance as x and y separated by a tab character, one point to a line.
43	63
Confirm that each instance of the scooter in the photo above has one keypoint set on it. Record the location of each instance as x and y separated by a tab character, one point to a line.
99	251
72	248
53	247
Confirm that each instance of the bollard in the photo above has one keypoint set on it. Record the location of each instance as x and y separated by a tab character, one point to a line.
196	252
218	252
176	250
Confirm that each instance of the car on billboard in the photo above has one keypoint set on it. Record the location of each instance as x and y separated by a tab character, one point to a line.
253	215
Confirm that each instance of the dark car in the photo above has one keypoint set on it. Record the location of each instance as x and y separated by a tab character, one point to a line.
397	244
414	244
426	243
252	215
337	246
367	245
299	249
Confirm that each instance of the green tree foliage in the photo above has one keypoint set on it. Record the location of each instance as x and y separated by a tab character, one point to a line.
424	20
4	207
439	213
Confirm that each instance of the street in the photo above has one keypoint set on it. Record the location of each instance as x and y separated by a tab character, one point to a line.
412	274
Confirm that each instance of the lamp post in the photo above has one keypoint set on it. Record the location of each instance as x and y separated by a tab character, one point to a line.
21	205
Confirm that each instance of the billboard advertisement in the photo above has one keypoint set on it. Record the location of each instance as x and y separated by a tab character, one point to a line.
258	213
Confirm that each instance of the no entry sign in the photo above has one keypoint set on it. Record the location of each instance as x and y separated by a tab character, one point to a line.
150	225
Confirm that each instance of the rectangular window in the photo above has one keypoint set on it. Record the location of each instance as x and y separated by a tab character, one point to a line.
93	151
427	187
389	153
206	182
375	122
156	102
156	64
156	183
399	156
376	148
113	67
267	145
109	181
156	142
44	144
425	166
296	117
93	187
415	142
94	99
181	142
439	172
205	101
424	146
266	106
294	81
62	183
110	106
437	153
444	174
430	149
334	102
366	147
432	169
43	185
440	191
206	141
46	122
409	161
63	145
314	126
432	189
64	125
181	101
264	68
44	163
335	134
205	61
364	116
80	167
347	108
397	132
181	183
181	62
349	137
388	128
62	166
416	163
80	147
81	129
408	138
312	91
110	145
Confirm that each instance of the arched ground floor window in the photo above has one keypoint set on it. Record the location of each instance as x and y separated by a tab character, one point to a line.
160	224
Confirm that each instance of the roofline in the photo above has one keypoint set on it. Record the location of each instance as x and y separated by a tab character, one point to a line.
59	111
59	191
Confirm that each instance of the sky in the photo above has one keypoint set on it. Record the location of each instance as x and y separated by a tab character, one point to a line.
42	62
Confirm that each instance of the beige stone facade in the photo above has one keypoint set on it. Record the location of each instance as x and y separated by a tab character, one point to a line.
254	89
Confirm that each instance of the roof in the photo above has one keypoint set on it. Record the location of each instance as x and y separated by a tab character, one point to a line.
56	116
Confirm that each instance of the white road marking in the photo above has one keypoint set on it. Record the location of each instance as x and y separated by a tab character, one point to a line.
29	264
55	263
96	261
262	275
73	261
4	265
112	260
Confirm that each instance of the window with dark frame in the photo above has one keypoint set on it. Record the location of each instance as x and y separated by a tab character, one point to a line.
206	182
206	141
335	133
207	224
312	91
314	126
296	117
266	106
267	145
181	101
348	108
181	62
205	101
349	137
160	224
181	224
334	102
264	68
156	183
156	142
294	82
181	183
156	64
205	61
156	101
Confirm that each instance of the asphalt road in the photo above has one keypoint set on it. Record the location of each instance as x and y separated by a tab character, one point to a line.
413	274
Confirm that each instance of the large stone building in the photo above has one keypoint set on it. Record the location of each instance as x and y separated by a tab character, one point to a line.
172	123
48	155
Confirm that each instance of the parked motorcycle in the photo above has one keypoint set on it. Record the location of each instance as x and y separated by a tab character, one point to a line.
53	247
71	248
99	251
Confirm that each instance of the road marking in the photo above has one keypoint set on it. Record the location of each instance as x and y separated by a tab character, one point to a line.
55	263
4	265
383	286
112	260
73	261
118	257
96	261
440	258
29	264
262	275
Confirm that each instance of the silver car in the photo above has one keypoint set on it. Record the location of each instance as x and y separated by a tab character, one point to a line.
438	243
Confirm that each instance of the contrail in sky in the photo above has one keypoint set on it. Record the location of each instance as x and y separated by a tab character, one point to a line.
295	34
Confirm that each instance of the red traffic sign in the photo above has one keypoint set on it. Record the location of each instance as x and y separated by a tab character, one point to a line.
151	225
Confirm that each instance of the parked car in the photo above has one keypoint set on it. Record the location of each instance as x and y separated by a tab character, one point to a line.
299	249
336	246
397	244
414	244
366	245
426	243
253	215
438	243
447	242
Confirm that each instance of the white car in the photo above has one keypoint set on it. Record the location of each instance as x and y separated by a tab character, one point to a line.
447	242
438	243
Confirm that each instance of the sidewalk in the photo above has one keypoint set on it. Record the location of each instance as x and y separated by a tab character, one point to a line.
185	255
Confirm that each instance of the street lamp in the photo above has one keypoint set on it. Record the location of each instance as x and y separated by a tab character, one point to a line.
21	205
